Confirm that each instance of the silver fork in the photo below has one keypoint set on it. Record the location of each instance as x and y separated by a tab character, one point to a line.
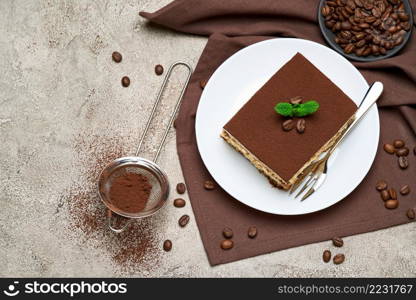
318	172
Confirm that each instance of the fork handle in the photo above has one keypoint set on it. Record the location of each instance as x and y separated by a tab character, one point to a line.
373	93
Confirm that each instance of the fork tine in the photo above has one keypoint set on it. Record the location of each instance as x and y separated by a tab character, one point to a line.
297	184
312	180
308	193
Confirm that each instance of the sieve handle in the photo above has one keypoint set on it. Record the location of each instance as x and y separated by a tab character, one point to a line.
155	105
116	230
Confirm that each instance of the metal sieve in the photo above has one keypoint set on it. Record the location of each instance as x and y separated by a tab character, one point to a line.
135	164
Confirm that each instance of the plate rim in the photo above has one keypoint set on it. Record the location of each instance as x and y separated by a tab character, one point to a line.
272	40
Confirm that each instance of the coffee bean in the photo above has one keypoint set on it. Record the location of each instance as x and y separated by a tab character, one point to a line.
159	70
326	10
381	185
296	100
179	202
167	245
389	148
385	195
116	56
376	22
358	3
209	185
349	48
287	125
402	151
227	233
125	81
301	125
360	43
181	188
252	232
403	162
398	143
339	259
391	204
346	25
202	84
183	221
393	194
326	256
410	213
404	190
367	51
337	241
227	244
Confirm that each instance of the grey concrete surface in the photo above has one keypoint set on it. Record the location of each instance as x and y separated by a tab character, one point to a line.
63	114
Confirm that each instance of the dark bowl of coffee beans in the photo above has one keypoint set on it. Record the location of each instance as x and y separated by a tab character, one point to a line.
366	30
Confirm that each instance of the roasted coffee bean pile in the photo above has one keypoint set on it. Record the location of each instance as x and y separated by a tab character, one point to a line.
338	258
367	27
399	148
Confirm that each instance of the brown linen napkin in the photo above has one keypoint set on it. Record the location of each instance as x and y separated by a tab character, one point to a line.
234	24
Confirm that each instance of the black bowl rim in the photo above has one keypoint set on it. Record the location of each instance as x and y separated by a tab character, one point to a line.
328	35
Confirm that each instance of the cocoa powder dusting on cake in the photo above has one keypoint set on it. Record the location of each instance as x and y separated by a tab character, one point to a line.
137	246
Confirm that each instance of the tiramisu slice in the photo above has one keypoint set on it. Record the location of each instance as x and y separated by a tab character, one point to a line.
257	131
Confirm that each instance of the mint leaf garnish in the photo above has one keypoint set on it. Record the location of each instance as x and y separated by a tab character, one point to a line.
285	109
306	108
296	110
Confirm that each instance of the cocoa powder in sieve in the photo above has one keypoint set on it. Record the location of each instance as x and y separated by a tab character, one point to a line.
130	192
135	249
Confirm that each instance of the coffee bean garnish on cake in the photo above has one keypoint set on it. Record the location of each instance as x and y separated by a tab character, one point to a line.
404	190
227	233
296	100
125	81
381	185
117	56
167	245
410	214
183	221
337	241
301	125
159	70
181	188
179	202
339	259
389	148
209	185
252	232
288	125
227	244
326	256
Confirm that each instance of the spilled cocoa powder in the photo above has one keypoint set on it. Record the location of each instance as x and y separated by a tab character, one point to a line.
137	246
130	192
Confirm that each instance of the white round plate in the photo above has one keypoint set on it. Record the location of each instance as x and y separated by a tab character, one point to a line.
233	84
